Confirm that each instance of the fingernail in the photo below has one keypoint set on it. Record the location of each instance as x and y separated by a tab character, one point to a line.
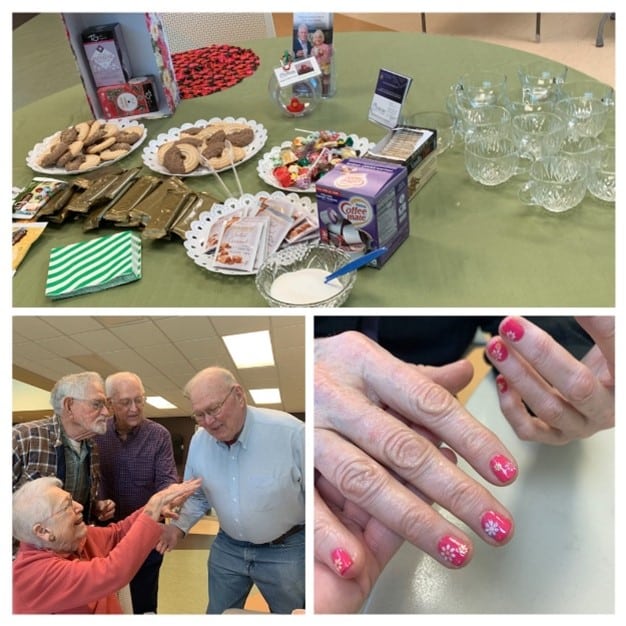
497	350
496	526
503	386
512	329
453	550
504	469
341	560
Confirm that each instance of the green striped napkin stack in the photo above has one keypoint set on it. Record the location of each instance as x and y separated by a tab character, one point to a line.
94	265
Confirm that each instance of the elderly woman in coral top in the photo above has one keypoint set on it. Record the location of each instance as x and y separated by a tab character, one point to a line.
64	566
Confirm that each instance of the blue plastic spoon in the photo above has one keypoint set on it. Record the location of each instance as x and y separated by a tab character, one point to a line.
351	266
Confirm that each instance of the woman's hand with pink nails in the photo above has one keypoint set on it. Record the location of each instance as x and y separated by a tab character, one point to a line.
545	393
386	438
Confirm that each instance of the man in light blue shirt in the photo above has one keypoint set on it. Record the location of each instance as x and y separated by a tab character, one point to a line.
251	462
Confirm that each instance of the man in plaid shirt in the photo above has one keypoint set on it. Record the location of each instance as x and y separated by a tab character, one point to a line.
62	445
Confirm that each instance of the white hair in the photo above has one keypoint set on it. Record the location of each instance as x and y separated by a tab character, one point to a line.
33	503
72	386
112	382
214	374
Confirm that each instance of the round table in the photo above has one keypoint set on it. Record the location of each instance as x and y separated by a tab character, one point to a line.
468	245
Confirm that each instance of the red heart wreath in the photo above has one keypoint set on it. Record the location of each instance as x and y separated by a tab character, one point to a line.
204	71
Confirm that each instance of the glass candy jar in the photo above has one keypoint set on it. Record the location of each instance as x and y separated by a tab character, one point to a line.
297	99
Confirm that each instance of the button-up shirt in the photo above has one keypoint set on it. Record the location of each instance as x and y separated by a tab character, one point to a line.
135	468
38	450
255	485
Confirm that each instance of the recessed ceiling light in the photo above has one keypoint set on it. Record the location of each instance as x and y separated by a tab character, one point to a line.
250	349
159	402
265	396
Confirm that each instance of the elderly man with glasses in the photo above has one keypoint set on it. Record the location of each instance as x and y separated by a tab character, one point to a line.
62	445
136	461
251	461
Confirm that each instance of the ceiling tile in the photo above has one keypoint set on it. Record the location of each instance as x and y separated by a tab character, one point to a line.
165	351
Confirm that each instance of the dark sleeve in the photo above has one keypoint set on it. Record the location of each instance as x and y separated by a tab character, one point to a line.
442	339
327	326
414	339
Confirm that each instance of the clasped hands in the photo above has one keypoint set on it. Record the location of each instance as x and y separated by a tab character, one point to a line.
387	434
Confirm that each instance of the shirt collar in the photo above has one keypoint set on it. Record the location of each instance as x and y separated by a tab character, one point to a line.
129	433
243	435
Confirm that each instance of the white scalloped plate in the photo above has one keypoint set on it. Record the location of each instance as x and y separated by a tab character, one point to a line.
150	151
199	232
267	163
41	147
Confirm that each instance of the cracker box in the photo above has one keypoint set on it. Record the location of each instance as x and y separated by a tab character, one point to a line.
105	51
363	204
411	146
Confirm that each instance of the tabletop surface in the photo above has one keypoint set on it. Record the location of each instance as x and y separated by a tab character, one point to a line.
562	556
468	245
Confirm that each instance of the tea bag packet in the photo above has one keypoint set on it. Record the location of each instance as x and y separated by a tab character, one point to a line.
94	265
239	243
215	231
190	213
307	227
34	197
279	225
280	205
261	251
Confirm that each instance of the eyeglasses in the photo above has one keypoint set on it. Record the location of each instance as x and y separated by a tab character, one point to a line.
96	405
69	504
126	402
200	416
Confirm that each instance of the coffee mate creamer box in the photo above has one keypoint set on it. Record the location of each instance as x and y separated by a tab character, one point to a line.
363	204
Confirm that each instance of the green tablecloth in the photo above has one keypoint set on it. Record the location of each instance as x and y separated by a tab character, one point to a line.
469	245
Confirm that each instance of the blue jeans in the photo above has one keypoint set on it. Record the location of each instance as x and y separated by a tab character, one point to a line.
277	570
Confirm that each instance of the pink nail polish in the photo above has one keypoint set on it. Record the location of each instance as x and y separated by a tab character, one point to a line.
496	526
498	350
503	386
341	560
453	550
512	329
504	469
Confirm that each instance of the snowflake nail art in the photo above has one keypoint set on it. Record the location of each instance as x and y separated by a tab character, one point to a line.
504	469
496	526
498	350
512	329
453	550
341	560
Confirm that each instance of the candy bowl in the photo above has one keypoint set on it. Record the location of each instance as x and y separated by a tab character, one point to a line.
296	100
295	165
294	277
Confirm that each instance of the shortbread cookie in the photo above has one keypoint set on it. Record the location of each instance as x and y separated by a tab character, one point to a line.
181	159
